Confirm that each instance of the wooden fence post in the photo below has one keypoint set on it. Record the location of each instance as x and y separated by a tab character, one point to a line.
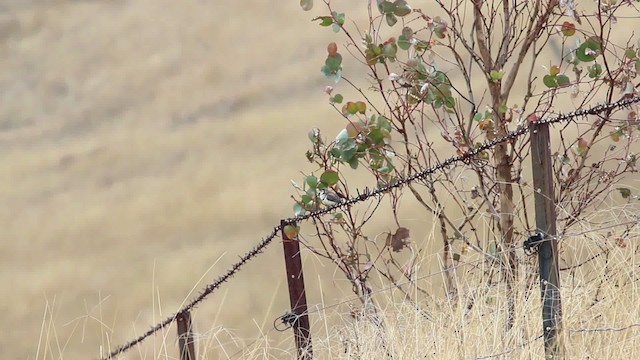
185	336
548	242
297	295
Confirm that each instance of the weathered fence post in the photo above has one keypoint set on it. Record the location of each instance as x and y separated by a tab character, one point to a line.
185	336
297	295
548	245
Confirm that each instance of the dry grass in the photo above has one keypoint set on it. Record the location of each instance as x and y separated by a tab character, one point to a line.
599	306
144	144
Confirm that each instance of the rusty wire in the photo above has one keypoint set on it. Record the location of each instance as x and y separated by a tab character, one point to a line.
362	196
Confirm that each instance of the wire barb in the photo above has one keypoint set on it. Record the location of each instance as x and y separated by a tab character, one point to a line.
287	319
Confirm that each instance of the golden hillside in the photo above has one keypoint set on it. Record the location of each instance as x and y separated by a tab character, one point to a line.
143	146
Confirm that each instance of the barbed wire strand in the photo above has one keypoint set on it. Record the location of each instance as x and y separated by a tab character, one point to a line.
257	249
367	193
362	196
603	329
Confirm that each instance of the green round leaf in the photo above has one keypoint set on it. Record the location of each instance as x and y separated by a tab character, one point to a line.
348	154
589	50
595	71
402	8
298	209
386	169
337	98
383	123
563	80
334	62
348	144
403	42
312	181
342	136
386	7
350	108
371	57
329	177
376	136
306	199
390	50
450	102
630	53
550	81
496	75
391	19
582	55
353	163
363	147
325	20
440	31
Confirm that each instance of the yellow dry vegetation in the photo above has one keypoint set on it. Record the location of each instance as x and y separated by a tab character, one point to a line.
143	146
141	143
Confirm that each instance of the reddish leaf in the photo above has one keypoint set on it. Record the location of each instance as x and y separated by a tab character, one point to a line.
353	130
568	29
582	145
399	240
332	48
290	232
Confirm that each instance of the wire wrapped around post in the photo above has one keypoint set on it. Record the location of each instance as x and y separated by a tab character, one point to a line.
547	242
297	294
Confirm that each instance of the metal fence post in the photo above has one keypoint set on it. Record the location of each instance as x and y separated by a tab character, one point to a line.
548	247
185	336
297	295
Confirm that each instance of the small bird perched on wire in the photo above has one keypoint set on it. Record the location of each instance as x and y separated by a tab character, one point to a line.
328	197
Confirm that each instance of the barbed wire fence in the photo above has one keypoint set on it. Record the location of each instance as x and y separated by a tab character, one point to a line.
320	308
363	195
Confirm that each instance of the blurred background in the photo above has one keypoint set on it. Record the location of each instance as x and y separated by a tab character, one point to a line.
144	145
